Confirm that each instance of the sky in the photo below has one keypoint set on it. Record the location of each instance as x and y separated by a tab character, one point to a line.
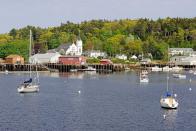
48	13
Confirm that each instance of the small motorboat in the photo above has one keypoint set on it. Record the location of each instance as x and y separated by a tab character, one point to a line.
180	76
89	68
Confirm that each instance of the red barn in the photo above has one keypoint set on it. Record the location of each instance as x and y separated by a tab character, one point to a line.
72	60
106	62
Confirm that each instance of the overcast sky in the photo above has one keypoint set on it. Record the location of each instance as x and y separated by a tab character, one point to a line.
44	13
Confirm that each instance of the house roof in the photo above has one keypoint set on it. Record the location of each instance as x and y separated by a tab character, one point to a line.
45	56
65	56
184	49
63	46
12	56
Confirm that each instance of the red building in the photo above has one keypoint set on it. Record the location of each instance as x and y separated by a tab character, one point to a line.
72	60
106	62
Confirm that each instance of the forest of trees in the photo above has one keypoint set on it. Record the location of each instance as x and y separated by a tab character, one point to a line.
114	37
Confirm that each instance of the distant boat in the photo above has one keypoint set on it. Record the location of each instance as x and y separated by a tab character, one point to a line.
73	70
166	69
30	85
156	69
191	71
168	101
176	69
89	68
144	76
127	68
6	71
180	76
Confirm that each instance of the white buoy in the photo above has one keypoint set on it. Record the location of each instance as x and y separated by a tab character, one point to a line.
79	92
175	95
190	89
164	116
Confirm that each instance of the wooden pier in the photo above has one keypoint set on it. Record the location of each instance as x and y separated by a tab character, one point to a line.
66	68
98	67
21	67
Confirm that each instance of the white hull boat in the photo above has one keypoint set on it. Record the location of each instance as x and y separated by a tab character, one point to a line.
166	69
28	88
169	102
180	76
144	80
156	69
6	71
144	77
176	69
31	85
89	68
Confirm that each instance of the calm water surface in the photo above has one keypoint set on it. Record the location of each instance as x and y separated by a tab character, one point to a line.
107	102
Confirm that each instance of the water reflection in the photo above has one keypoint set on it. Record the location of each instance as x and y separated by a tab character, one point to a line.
169	117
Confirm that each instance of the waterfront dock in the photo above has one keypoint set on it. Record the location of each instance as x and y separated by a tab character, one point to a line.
54	67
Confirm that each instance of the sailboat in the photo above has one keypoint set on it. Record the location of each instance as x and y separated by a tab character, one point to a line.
31	85
144	77
168	100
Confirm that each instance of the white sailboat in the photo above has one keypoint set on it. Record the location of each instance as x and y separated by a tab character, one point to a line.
144	76
31	85
168	100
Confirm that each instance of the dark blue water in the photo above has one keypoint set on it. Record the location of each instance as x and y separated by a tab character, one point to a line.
107	102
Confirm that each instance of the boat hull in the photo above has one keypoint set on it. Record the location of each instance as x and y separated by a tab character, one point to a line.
169	103
28	88
144	80
180	76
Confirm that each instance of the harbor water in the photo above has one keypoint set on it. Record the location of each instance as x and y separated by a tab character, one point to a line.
96	102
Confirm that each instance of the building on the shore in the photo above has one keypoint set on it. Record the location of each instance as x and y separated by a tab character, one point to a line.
2	61
145	61
73	49
180	51
134	57
183	60
193	53
95	54
72	60
106	62
121	56
14	59
45	58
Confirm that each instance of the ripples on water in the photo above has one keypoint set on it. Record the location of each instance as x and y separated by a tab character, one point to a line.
106	102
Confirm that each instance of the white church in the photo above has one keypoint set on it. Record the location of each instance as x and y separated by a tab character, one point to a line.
75	48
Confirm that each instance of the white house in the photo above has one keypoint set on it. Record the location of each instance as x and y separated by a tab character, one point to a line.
180	51
121	56
134	57
69	49
44	58
75	49
145	61
183	60
95	54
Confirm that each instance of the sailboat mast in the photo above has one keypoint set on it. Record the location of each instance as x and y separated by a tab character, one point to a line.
30	40
168	67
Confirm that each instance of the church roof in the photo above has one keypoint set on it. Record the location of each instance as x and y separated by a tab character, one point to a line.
63	46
